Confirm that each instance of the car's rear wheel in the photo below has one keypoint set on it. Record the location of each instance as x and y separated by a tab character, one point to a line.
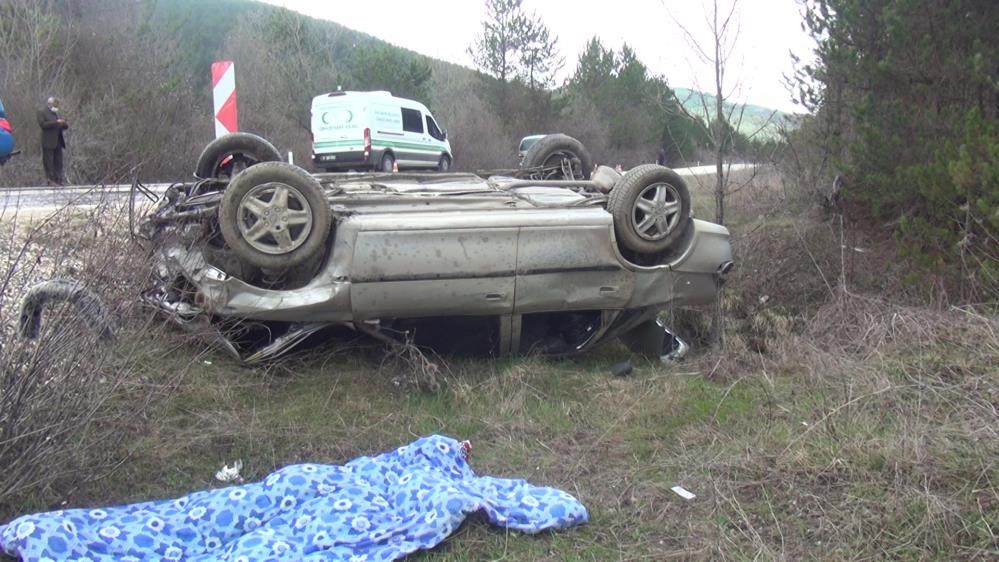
275	216
229	155
558	157
651	209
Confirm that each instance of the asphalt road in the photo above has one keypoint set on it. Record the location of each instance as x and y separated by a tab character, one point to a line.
36	198
44	198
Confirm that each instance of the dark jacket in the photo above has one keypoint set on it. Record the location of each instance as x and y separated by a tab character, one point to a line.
52	130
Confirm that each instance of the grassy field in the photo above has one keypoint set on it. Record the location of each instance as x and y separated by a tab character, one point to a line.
848	428
886	453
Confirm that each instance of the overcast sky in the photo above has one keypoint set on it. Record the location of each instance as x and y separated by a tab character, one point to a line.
443	29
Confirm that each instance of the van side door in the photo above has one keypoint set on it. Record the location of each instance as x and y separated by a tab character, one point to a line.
414	151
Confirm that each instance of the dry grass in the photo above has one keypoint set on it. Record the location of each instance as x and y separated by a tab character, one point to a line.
834	425
68	391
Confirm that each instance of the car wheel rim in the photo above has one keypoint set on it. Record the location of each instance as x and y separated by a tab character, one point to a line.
274	218
657	211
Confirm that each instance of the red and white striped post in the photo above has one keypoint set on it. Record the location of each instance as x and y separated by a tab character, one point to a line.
224	96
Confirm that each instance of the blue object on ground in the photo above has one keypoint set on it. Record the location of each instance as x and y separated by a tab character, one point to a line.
370	509
6	138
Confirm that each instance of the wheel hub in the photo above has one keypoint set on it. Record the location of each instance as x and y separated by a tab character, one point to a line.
657	211
275	218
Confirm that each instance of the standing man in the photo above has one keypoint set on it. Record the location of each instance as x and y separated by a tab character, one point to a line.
53	141
661	158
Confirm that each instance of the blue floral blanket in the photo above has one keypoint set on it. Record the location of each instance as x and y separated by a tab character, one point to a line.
370	509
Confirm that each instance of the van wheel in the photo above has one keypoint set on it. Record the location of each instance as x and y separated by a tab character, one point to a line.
559	157
275	216
445	163
388	162
651	209
229	155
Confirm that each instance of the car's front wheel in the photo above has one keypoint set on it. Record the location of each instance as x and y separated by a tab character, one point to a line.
651	209
445	164
275	216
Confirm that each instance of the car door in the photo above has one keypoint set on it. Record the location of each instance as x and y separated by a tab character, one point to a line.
566	260
416	265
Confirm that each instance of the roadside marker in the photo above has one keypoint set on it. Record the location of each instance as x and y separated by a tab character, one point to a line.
224	97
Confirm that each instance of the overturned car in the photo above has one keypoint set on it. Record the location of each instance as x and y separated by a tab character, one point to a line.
541	259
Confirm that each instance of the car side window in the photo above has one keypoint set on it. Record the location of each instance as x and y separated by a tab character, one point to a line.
433	129
412	121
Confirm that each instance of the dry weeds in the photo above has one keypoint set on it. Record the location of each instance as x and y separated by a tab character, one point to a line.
835	425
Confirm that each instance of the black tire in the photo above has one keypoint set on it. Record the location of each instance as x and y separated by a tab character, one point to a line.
551	150
445	164
246	150
300	188
670	218
388	161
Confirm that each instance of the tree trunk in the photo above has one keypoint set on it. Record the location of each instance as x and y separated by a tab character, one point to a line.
721	137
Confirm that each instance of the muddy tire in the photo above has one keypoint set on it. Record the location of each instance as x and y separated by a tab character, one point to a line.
47	293
275	216
228	155
651	209
553	151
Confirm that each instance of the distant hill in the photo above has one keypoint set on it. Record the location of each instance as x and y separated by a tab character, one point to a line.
754	117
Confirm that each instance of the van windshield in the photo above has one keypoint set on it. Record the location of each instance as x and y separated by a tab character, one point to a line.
433	129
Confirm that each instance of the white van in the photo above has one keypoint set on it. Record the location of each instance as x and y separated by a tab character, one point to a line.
376	130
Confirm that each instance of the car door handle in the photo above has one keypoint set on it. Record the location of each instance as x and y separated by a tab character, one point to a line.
495	297
607	290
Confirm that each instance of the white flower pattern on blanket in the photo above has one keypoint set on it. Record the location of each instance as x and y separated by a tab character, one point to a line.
370	509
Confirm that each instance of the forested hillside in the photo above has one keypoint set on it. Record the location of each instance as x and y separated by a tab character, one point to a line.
134	80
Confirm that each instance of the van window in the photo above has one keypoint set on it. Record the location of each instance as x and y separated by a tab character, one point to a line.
433	129
412	121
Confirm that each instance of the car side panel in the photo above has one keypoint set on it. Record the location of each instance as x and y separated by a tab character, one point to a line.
409	271
570	268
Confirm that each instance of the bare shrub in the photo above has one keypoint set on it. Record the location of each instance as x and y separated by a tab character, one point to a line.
414	368
60	393
478	136
282	60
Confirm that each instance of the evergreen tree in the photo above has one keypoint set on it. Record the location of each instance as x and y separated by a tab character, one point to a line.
909	91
